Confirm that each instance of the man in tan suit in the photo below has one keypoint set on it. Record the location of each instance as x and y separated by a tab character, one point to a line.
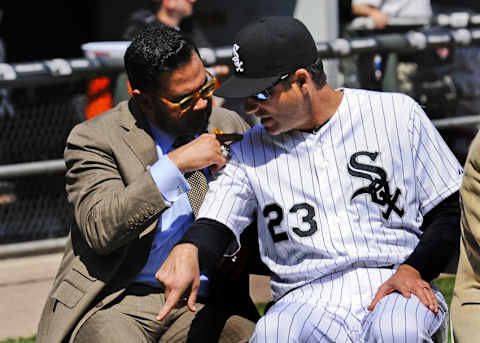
465	305
134	193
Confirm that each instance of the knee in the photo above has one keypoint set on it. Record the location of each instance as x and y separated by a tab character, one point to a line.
237	329
385	330
284	325
397	328
264	330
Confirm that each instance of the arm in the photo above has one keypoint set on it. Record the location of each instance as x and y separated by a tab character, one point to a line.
437	245
437	177
108	213
111	208
470	195
364	9
441	227
205	240
228	208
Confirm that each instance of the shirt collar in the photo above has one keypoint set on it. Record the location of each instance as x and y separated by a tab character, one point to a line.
163	139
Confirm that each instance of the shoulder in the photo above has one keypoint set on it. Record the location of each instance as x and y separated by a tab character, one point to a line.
227	121
396	97
252	137
395	104
103	124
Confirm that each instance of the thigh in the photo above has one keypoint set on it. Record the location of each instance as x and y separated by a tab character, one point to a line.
400	319
132	318
305	322
465	319
107	326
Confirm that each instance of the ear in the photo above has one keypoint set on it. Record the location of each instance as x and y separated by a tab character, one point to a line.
143	100
303	79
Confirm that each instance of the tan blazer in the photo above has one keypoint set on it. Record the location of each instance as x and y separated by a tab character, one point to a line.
465	307
116	205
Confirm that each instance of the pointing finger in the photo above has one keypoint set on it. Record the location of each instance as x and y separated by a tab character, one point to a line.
170	301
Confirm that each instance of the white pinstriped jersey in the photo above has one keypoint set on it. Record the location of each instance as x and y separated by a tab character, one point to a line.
352	194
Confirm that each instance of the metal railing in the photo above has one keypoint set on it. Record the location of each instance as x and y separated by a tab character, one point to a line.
63	70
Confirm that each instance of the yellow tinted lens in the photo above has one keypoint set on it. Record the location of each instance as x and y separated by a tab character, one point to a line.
208	90
188	101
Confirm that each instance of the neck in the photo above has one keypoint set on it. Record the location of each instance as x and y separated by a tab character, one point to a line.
324	104
168	17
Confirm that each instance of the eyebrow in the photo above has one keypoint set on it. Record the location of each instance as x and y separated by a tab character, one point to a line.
180	97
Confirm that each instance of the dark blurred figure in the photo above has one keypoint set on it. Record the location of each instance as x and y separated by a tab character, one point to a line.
178	14
456	76
6	108
371	68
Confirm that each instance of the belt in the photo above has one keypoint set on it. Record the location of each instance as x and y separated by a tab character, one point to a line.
137	288
388	267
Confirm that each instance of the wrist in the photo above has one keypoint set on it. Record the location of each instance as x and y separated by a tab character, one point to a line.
409	268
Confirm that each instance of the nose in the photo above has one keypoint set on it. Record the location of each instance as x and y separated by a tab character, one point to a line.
251	106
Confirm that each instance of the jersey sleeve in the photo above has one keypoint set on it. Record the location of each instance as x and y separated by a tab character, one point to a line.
437	171
230	200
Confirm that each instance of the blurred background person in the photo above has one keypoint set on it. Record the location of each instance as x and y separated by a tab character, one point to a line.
6	108
174	13
371	67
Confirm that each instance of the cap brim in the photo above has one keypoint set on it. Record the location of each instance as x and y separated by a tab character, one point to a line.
241	87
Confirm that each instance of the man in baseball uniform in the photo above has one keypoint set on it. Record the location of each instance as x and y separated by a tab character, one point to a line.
355	192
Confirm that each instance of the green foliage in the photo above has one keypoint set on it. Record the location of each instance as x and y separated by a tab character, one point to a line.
19	340
445	284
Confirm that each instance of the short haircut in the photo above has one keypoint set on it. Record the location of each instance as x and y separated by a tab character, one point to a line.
155	5
155	51
318	74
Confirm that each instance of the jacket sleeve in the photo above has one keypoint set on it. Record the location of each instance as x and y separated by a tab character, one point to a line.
470	205
109	212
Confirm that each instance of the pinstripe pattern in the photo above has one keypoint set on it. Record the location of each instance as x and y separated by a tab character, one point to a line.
319	214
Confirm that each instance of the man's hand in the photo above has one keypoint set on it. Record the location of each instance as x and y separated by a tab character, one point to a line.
200	153
379	18
179	273
407	280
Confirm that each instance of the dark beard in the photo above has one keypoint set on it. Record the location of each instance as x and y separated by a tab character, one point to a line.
190	123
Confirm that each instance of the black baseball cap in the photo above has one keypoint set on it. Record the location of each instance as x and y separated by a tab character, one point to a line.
266	50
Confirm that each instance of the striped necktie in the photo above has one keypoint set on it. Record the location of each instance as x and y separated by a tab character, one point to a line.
196	179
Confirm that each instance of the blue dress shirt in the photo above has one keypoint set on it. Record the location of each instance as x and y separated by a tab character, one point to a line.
175	220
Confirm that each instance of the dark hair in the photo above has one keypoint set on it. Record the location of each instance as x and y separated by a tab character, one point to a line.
156	50
318	74
155	5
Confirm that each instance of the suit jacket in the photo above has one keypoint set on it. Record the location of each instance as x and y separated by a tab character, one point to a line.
116	205
466	298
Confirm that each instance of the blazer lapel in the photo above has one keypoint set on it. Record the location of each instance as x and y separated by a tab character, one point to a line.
138	136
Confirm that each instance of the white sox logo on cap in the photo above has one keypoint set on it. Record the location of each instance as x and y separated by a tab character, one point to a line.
236	59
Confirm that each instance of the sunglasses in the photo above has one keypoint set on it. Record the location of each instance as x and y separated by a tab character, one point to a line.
187	102
267	92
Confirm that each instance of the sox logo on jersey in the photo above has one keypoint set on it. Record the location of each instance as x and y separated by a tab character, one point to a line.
378	189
